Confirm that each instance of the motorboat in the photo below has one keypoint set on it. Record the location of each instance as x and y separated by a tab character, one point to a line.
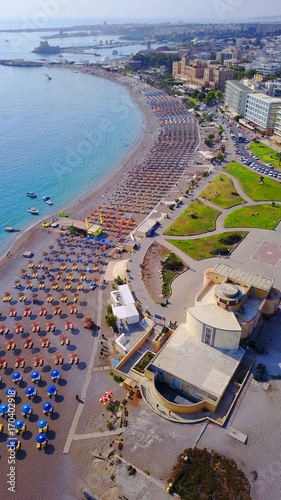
48	200
33	211
31	194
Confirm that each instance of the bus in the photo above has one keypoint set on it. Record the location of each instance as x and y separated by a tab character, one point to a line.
239	137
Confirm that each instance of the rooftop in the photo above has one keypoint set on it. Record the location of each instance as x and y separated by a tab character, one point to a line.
216	317
238	274
191	360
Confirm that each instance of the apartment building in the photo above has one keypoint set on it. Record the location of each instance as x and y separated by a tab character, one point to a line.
262	110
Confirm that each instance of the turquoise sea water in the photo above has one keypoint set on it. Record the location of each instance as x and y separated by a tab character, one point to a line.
59	138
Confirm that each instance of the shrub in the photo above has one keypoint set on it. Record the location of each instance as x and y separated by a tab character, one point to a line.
111	406
231	239
118	280
219	251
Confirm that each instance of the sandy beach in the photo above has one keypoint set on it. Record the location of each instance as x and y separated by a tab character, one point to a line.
47	288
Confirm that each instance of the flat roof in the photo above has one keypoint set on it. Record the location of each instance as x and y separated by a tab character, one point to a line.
216	317
80	224
238	85
126	294
238	274
197	363
267	98
126	312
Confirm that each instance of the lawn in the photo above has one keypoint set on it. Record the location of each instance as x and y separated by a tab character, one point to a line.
249	182
197	218
265	153
202	248
261	216
258	148
221	192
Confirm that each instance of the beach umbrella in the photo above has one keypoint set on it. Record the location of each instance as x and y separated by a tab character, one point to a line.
30	391
3	409
10	392
19	424
12	444
26	408
108	394
103	399
16	376
51	390
41	439
47	407
35	376
41	423
55	374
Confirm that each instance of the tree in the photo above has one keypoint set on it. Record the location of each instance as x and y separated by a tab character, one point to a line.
218	94
210	97
278	157
201	96
111	320
219	157
237	118
211	136
261	179
207	142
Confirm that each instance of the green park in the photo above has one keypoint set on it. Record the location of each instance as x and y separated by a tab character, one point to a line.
263	216
216	245
251	185
197	218
220	191
266	154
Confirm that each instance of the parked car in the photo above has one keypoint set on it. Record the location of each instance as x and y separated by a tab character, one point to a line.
259	371
257	346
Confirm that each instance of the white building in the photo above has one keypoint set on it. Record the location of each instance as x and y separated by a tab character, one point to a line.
124	305
262	110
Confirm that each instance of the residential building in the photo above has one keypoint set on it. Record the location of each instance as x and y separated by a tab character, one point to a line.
201	358
201	73
266	67
235	96
262	110
277	130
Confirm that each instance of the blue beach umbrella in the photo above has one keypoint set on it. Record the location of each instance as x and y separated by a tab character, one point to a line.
55	374
41	423
11	392
51	389
26	408
35	376
30	391
47	407
41	438
12	444
19	424
4	409
16	376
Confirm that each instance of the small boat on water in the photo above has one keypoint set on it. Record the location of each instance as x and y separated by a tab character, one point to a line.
33	211
10	229
48	200
31	194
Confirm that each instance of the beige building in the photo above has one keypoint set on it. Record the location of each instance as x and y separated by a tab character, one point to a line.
202	73
195	366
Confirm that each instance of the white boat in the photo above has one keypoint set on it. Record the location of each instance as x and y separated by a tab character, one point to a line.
33	211
31	194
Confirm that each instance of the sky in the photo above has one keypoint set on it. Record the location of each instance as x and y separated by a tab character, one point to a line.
46	11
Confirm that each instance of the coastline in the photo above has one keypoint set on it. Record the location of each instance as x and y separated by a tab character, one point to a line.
82	206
